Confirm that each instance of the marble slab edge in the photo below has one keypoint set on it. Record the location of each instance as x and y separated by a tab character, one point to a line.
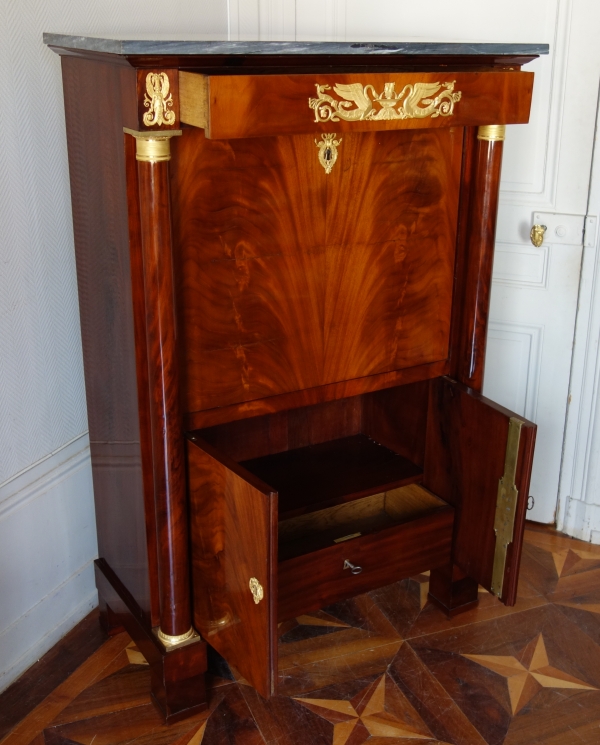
167	47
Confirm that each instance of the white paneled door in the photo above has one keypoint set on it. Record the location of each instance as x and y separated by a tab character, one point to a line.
546	170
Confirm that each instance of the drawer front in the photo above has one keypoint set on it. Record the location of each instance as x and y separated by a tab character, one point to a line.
318	579
229	107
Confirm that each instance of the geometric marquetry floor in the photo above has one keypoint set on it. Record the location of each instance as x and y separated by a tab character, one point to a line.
382	668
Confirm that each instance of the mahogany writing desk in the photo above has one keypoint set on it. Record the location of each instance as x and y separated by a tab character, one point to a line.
284	256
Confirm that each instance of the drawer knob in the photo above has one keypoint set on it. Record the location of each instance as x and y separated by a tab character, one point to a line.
256	590
352	567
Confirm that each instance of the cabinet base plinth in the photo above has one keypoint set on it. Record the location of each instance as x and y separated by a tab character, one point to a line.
177	676
453	591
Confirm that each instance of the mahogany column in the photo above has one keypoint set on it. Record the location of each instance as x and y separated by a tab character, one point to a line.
153	153
450	588
481	235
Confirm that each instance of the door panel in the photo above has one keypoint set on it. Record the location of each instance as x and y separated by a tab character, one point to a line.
233	527
361	260
465	459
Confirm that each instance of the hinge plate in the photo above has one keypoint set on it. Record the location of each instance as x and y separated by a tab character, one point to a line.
506	505
589	235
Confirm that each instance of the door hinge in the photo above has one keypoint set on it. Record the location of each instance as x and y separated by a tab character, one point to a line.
589	232
506	505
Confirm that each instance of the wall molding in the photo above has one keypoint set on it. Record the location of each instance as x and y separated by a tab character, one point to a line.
526	388
543	195
23	633
520	265
43	475
41	602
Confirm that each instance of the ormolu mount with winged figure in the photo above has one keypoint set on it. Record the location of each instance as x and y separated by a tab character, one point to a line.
413	102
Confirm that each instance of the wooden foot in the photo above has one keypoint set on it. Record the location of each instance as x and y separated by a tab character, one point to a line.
108	620
452	590
177	674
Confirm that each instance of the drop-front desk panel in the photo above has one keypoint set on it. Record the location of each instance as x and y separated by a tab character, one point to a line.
284	258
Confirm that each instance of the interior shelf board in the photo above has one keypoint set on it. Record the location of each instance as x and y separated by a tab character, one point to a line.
317	476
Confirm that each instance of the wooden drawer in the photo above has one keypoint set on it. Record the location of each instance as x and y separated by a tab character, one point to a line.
230	107
311	579
279	503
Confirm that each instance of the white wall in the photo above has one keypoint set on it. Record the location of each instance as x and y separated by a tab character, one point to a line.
47	530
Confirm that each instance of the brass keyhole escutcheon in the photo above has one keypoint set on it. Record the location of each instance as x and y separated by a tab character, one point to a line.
537	235
256	589
328	151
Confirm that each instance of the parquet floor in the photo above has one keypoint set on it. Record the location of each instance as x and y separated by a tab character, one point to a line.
383	668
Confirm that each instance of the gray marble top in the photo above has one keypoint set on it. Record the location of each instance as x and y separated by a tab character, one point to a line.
141	46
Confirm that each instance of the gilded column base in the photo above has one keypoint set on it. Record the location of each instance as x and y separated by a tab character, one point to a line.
174	641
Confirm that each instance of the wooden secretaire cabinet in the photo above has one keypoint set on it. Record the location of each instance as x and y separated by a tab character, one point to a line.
284	256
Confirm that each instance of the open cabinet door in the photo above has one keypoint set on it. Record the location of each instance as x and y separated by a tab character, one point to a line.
478	458
233	528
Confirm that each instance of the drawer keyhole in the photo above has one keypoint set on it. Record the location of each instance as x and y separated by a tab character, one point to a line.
352	567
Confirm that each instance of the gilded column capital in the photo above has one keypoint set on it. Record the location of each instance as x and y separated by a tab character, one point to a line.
153	146
492	132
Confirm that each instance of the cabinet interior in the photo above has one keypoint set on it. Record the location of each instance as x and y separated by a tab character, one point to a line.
313	531
341	469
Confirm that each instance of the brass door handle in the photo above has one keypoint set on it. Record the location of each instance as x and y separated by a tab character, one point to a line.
537	235
354	569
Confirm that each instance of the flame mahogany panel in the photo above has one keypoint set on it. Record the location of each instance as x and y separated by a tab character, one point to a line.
464	461
278	105
290	279
233	523
312	396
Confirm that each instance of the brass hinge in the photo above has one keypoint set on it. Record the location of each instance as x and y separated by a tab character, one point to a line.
506	505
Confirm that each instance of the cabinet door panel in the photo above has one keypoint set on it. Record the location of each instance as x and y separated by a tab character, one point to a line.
466	456
233	524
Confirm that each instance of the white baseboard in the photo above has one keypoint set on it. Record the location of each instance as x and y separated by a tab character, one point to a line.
582	520
47	548
20	645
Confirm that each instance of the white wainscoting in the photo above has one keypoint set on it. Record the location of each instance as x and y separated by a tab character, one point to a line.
513	355
524	266
47	533
47	546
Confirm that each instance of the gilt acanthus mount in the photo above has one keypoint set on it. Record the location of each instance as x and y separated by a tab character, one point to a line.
158	100
363	103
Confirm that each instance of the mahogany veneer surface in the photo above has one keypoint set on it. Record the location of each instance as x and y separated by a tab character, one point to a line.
279	104
291	288
233	527
109	293
291	279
